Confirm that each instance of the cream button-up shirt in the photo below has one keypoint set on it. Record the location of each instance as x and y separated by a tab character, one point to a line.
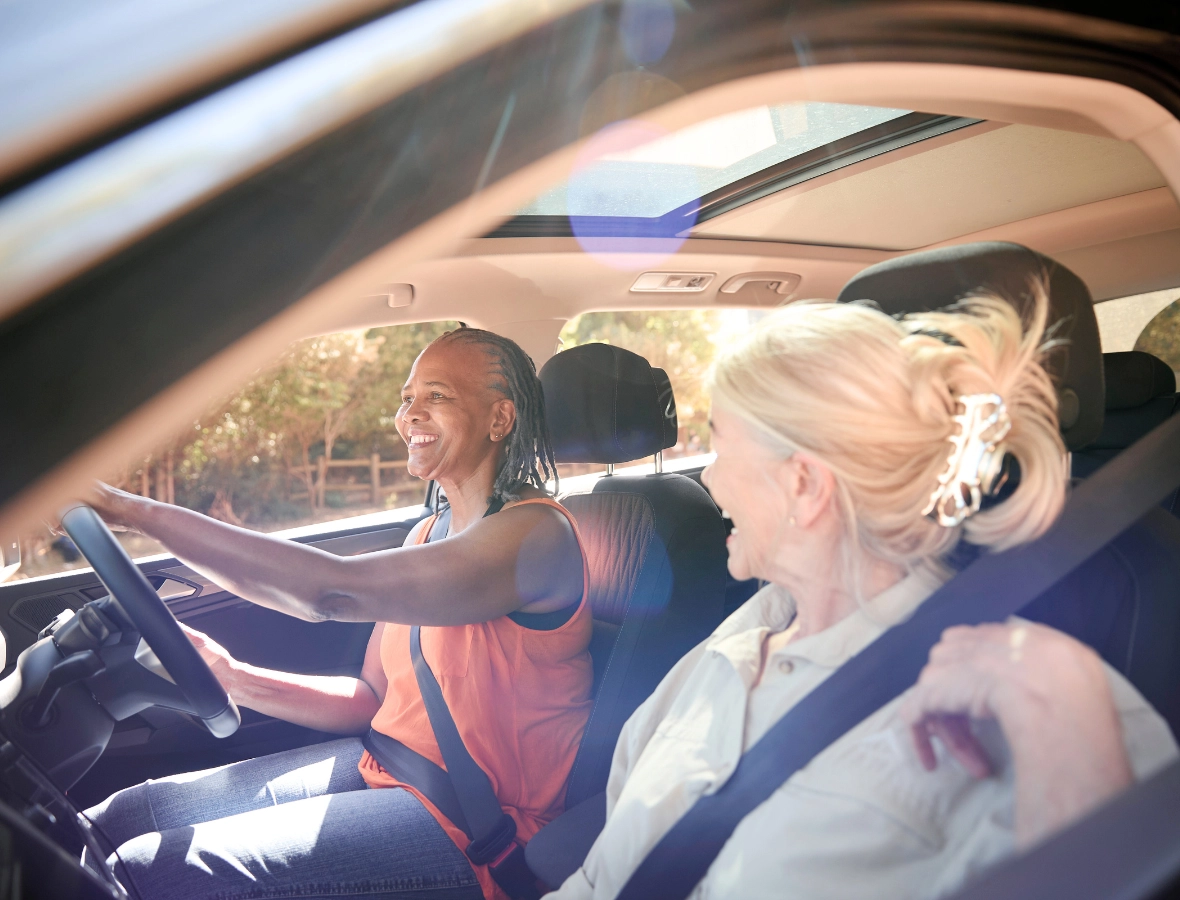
863	819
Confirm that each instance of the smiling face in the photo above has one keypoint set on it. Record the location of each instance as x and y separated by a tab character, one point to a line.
742	483
451	413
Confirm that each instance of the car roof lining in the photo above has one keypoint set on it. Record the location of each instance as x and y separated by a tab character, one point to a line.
1119	245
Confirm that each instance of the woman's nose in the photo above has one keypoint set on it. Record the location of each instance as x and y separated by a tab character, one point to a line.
413	412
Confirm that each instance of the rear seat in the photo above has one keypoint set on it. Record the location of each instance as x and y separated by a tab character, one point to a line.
1140	394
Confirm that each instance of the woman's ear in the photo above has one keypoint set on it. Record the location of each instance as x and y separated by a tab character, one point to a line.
503	419
810	487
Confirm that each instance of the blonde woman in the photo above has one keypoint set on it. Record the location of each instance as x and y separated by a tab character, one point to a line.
832	427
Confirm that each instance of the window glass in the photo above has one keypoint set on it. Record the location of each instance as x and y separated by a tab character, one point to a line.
682	343
651	173
309	439
1121	321
1147	322
1161	336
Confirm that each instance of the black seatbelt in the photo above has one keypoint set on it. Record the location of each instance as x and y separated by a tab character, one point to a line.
410	767
493	831
1100	509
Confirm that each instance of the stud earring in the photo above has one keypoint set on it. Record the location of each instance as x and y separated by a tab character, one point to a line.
498	436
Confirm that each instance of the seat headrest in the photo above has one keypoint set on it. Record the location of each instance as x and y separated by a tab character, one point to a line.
1134	377
605	404
932	279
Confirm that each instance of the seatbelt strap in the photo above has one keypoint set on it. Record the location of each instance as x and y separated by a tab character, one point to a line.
412	768
491	828
991	589
492	831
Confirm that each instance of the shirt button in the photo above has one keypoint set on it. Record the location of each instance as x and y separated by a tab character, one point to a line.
786	666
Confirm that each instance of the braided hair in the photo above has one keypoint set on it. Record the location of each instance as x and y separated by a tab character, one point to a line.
529	457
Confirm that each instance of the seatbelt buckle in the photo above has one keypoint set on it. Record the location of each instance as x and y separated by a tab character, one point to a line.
494	844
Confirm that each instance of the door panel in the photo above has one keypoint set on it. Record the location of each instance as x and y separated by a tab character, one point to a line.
160	741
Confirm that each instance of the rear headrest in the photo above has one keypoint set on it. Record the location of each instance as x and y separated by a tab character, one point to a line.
1135	377
605	404
930	280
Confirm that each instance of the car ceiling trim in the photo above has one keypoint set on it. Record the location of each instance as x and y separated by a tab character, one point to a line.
66	222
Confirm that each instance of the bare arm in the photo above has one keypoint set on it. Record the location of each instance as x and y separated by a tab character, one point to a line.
336	703
524	558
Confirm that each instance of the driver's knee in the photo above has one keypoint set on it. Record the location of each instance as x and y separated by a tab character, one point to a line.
123	815
154	865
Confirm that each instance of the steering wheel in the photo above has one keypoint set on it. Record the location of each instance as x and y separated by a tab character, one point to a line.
207	699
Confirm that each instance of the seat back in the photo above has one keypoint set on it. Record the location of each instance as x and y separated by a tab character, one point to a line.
655	544
1140	394
1125	604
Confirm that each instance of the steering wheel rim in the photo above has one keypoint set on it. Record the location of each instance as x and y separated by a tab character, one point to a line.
207	699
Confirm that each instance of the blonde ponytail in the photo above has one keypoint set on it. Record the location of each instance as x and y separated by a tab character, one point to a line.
873	398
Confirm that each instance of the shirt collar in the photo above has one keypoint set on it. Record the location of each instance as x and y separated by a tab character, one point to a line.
771	610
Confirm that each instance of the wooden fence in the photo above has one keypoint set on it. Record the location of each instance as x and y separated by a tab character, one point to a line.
376	487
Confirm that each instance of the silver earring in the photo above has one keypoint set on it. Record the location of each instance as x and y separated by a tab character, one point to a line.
498	436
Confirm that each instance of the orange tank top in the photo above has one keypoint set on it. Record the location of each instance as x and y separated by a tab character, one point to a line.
520	698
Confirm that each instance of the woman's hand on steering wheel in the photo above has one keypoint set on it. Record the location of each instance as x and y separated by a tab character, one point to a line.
216	657
116	507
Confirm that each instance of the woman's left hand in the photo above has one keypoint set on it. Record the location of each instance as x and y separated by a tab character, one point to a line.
1052	700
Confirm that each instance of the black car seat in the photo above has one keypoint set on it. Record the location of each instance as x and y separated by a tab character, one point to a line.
1140	394
1123	602
655	543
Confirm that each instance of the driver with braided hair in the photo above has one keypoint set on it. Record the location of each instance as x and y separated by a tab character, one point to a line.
504	626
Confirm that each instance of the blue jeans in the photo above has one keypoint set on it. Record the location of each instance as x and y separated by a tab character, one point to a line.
297	824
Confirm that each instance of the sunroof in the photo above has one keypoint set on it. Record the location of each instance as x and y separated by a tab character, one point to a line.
661	173
632	180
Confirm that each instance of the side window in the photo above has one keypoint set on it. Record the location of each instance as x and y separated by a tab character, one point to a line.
1147	322
309	439
682	343
1161	336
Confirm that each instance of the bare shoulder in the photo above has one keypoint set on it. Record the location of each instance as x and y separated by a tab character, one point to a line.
541	513
549	564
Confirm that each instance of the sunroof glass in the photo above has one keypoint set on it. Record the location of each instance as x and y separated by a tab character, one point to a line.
644	174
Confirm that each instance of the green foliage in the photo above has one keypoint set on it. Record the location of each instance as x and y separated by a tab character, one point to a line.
1161	336
334	395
